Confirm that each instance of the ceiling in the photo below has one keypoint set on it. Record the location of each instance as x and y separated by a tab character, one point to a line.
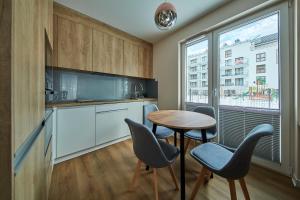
136	16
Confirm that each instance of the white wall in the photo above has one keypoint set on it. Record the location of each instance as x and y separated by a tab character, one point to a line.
166	51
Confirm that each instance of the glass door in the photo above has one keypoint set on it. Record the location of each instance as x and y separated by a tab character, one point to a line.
250	78
197	73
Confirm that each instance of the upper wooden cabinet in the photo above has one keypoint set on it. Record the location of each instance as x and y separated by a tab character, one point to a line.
145	62
107	53
49	27
83	43
74	45
131	61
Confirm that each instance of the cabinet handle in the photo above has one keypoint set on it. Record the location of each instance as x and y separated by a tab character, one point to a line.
104	111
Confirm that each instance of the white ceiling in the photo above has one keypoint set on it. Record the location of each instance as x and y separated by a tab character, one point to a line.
136	16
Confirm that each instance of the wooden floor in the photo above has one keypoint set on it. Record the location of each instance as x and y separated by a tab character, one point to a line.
105	174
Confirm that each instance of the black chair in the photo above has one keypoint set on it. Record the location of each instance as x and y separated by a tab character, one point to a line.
196	134
228	163
152	152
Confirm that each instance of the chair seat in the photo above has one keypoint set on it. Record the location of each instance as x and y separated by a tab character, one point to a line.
196	135
212	156
163	132
170	151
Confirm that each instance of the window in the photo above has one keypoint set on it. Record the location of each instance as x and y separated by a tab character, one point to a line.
276	56
193	61
228	82
193	76
239	71
261	80
197	53
193	69
260	57
228	72
239	82
193	84
228	62
260	69
204	84
203	75
228	53
239	60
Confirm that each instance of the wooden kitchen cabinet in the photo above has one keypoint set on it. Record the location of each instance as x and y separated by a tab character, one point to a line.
83	43
74	45
131	61
107	53
145	62
75	129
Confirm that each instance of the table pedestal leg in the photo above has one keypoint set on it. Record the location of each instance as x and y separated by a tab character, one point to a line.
182	166
175	138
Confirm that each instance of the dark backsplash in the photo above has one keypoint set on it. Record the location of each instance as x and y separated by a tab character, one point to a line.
73	85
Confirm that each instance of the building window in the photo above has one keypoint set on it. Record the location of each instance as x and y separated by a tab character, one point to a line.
260	57
195	92
228	62
193	84
228	82
203	75
239	71
261	80
193	69
204	84
204	67
193	76
239	81
228	53
203	58
239	60
193	61
260	69
228	72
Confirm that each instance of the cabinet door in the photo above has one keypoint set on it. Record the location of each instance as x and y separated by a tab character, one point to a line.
74	45
110	125
145	62
107	53
75	129
135	111
131	62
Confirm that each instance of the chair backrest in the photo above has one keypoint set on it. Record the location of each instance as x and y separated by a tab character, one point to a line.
239	164
210	111
148	109
146	146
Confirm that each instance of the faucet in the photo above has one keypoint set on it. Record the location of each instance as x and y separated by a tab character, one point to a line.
137	93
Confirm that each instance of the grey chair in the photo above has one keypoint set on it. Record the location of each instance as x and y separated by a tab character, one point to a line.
161	132
196	134
152	152
229	163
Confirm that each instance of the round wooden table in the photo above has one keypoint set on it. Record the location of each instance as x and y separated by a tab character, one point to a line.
181	122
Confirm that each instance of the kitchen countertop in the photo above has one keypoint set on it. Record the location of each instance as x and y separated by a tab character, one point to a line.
95	102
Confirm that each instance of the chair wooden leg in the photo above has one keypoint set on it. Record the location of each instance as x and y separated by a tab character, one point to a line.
199	182
244	188
167	141
187	145
155	183
232	189
136	175
173	177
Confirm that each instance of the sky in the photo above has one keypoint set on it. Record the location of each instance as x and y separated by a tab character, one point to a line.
258	28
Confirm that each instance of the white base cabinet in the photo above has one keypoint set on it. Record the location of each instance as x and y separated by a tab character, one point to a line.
110	123
86	127
75	129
